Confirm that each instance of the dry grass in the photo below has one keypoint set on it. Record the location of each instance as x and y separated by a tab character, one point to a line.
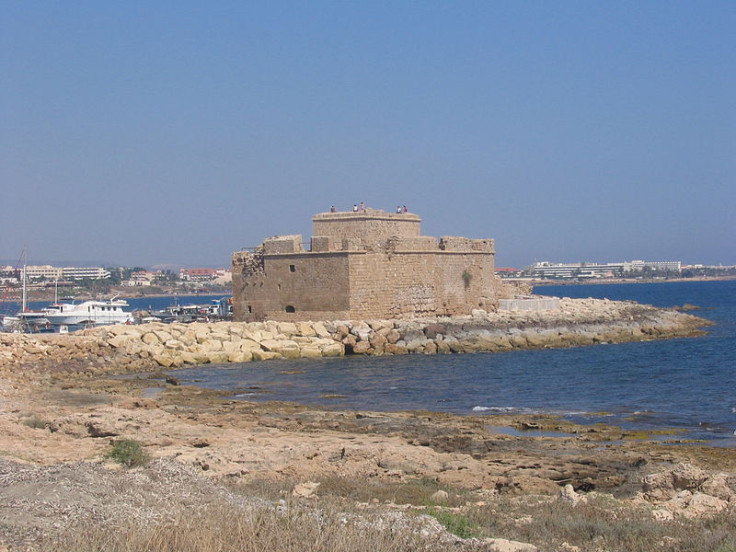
228	529
339	520
601	524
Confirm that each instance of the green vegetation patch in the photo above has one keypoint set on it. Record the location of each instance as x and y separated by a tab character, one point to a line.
129	453
456	523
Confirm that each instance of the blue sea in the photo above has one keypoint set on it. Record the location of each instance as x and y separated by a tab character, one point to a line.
685	384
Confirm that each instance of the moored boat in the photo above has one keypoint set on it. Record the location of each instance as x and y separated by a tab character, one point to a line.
90	313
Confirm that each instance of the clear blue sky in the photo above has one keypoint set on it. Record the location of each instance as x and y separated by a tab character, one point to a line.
145	133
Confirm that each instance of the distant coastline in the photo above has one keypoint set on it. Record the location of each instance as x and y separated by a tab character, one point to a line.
596	281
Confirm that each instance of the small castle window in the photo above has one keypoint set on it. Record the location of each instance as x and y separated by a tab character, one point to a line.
289	308
292	268
250	309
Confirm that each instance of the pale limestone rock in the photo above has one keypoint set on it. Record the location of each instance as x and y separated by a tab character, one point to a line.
361	347
305	329
119	341
174	345
279	344
310	352
265	355
568	494
149	338
703	505
217	357
333	350
248	343
287	328
188	338
220	336
164	360
163	336
189	358
305	490
362	331
718	486
503	545
230	346
240	356
416	344
290	353
211	345
320	330
687	476
248	347
396	349
122	329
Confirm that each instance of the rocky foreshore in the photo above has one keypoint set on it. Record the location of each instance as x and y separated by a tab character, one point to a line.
60	416
576	322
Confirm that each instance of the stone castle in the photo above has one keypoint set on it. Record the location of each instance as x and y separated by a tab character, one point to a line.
364	265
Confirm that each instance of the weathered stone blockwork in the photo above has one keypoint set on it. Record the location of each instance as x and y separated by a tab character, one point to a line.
371	264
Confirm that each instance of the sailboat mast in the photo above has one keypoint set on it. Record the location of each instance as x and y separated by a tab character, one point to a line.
24	296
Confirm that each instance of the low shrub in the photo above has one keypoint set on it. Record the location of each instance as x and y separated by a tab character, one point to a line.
129	453
456	523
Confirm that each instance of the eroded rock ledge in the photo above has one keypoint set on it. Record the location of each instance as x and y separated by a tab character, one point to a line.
577	322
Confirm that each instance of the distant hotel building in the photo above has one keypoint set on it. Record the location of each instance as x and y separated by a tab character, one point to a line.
216	275
598	270
47	272
142	278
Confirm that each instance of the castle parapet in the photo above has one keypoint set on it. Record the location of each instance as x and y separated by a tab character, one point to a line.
464	245
283	244
419	243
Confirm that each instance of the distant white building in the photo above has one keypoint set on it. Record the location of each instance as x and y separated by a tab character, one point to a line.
598	270
85	273
48	272
42	272
142	278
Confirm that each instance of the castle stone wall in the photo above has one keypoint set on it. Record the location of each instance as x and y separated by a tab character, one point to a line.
367	265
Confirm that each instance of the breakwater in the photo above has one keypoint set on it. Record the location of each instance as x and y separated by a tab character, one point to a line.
576	322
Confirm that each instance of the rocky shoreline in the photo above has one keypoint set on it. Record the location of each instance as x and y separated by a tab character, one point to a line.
577	322
62	406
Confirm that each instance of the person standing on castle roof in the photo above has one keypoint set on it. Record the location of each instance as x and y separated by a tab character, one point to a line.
405	209
362	207
398	209
355	208
332	209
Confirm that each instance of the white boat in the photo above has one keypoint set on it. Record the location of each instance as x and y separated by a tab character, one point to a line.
90	313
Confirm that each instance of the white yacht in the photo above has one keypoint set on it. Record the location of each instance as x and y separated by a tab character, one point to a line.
90	313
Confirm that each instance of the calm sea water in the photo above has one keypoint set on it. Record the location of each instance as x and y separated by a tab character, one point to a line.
688	384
